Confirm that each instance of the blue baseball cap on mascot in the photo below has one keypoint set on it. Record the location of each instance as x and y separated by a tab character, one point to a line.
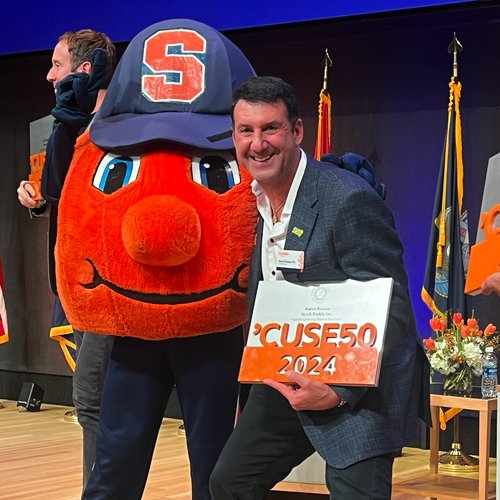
175	83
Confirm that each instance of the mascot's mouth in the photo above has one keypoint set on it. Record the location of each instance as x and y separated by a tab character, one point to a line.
158	298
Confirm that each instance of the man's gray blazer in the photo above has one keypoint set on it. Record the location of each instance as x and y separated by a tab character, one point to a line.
348	232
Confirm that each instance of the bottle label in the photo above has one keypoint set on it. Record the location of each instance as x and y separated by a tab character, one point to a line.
490	371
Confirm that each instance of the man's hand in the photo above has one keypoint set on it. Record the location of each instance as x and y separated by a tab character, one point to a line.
25	194
304	393
491	284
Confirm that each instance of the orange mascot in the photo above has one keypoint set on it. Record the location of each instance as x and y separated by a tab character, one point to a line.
155	232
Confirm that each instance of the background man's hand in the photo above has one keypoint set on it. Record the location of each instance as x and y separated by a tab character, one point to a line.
491	284
304	393
25	194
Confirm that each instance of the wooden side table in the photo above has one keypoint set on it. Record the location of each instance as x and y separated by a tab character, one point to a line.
447	487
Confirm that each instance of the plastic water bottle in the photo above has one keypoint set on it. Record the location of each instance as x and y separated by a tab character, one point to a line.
489	378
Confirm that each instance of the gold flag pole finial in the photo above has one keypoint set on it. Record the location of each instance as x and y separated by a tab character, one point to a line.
327	63
455	47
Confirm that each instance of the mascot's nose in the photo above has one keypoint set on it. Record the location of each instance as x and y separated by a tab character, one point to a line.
161	231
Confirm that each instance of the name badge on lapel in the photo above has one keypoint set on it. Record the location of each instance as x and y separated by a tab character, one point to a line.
290	260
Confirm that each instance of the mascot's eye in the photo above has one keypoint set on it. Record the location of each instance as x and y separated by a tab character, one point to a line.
217	171
115	172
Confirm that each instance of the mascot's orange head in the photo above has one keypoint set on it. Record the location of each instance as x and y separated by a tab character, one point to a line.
156	220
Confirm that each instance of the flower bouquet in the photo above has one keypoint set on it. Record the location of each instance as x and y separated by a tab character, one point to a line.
456	351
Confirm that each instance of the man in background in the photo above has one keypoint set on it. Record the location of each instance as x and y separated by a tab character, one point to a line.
346	231
73	73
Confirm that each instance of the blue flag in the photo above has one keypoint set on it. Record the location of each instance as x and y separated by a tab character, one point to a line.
448	254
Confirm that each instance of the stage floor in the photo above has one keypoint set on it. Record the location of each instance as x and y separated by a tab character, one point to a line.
40	457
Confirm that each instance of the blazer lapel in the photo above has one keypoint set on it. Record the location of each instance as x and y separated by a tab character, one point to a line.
304	213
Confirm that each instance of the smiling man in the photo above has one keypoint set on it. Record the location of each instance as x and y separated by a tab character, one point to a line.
347	231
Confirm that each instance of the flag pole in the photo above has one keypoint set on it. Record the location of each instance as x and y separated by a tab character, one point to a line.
327	64
456	89
455	47
455	459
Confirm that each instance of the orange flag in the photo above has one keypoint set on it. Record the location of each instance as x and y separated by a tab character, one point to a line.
323	137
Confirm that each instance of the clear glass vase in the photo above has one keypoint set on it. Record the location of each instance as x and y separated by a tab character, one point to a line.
458	383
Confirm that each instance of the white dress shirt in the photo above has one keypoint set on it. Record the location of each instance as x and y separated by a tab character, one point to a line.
274	234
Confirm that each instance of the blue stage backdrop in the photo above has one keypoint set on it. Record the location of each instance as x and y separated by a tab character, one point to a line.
31	26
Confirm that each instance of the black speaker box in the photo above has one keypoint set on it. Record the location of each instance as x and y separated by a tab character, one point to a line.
30	396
